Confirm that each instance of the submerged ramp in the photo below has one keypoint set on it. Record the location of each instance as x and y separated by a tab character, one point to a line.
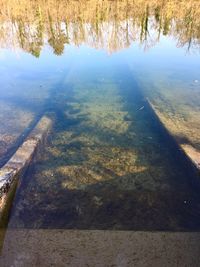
190	154
18	163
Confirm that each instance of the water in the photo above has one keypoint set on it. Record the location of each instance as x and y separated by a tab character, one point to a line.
109	162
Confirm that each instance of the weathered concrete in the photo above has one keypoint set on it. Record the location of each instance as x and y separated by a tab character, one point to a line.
190	153
61	248
18	163
193	154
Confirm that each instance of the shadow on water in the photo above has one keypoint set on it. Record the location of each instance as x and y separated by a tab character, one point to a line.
176	157
39	108
129	180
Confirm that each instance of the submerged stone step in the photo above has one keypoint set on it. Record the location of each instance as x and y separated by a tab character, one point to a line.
190	152
193	154
18	163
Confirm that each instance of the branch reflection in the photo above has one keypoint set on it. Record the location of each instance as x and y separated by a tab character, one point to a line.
105	24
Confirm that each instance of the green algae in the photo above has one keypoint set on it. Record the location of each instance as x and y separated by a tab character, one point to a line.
107	165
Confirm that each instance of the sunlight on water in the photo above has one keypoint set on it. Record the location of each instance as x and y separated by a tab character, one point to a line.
96	69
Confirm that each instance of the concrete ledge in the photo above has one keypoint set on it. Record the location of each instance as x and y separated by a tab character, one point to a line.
61	248
192	156
18	163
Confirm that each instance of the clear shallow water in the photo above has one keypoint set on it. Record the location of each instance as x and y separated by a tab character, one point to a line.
108	163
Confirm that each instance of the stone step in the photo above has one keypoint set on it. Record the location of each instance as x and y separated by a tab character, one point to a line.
18	163
81	248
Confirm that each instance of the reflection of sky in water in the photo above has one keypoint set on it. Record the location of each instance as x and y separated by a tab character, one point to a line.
25	76
108	156
163	54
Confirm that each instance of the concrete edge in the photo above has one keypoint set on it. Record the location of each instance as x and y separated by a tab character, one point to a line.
192	159
59	247
19	162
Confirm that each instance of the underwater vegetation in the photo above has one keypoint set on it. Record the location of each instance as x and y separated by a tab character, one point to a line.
23	97
107	165
176	100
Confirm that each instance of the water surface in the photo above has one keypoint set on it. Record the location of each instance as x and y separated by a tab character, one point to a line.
109	162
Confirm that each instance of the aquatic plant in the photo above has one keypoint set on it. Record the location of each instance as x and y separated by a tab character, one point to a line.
107	166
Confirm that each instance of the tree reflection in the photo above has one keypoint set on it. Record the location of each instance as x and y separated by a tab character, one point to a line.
111	25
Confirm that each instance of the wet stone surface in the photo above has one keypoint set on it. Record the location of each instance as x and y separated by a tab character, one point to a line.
11	172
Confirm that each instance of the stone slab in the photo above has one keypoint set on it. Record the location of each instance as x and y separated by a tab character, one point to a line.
189	151
66	248
18	163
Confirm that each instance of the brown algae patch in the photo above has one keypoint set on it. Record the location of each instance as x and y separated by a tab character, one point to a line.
102	107
104	168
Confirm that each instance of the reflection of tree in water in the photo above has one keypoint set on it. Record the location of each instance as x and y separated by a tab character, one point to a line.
57	37
101	24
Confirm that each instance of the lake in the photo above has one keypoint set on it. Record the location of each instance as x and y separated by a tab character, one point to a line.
121	82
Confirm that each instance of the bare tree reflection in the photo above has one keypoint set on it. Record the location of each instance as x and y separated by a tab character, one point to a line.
101	24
